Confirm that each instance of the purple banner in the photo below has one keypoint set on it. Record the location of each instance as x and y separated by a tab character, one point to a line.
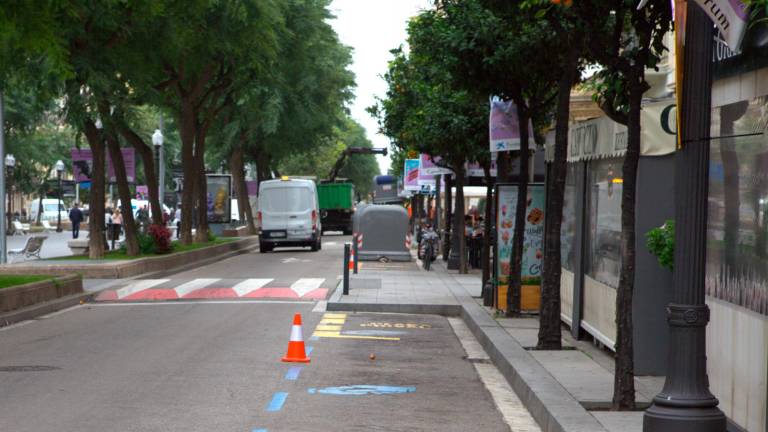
82	163
253	187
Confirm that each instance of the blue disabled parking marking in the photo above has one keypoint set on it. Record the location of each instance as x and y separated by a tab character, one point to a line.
277	401
259	430
293	373
362	390
309	350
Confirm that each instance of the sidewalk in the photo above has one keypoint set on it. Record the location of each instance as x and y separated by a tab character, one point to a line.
565	391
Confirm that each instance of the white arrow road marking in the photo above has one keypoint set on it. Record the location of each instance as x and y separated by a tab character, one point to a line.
139	285
290	260
249	285
193	285
305	285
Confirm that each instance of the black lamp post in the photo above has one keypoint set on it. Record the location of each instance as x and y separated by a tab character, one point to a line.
685	404
10	164
59	173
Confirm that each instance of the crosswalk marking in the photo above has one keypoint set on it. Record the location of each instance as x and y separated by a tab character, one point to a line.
139	285
249	285
305	285
193	285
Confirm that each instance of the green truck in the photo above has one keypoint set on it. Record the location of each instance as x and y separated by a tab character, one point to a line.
336	206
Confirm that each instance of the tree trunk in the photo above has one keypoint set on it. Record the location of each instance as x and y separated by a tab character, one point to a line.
458	218
624	374
187	134
514	289
201	190
146	153
549	314
486	257
96	202
503	167
40	204
448	221
237	167
131	241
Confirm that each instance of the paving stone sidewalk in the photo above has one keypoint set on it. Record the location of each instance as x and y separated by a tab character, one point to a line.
568	390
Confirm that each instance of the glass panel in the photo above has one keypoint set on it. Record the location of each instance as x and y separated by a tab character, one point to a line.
604	186
568	228
737	233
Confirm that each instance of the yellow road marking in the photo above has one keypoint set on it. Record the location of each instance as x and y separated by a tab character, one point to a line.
339	321
335	315
321	327
343	336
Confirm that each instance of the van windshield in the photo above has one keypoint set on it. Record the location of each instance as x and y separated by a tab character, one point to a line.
52	207
286	199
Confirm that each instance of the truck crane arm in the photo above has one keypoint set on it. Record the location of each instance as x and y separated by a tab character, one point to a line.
350	151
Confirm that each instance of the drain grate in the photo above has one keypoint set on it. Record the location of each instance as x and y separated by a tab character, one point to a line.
27	368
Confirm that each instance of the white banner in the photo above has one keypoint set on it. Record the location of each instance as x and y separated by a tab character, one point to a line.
504	127
730	16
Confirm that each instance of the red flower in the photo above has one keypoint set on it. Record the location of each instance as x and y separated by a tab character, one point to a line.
162	237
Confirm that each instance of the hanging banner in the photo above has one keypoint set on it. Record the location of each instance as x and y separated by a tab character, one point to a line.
504	126
428	167
474	169
82	165
533	242
411	175
730	17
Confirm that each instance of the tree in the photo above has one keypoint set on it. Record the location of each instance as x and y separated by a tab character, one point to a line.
637	44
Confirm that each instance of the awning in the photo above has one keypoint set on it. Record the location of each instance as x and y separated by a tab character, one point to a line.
601	137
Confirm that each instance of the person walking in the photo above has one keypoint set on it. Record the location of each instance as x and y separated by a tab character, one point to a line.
76	217
177	218
117	224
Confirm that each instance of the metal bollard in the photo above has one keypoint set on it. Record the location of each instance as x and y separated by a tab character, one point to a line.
354	248
346	268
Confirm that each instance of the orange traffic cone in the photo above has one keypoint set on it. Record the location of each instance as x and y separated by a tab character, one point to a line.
351	263
296	353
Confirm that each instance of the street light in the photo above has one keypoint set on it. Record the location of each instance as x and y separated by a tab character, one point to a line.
59	173
157	140
10	164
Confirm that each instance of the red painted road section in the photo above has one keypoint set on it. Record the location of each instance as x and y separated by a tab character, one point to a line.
159	294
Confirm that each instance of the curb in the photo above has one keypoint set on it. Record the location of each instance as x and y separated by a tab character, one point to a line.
554	409
35	311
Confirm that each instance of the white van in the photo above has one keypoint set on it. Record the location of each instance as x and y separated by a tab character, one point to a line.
50	206
288	214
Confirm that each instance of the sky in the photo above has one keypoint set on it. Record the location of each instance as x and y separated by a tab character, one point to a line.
372	28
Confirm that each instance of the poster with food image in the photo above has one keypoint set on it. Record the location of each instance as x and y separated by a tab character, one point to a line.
533	242
219	189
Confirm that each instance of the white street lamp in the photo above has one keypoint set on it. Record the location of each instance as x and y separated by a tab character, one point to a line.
10	164
157	140
59	172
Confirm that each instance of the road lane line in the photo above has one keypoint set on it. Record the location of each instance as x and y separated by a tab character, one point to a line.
193	285
325	327
293	373
305	285
340	316
139	285
249	285
276	404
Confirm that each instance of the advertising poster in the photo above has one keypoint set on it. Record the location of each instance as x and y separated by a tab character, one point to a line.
82	165
411	175
427	166
504	126
219	192
533	243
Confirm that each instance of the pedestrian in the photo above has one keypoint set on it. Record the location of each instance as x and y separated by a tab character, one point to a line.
177	218
75	216
142	217
117	224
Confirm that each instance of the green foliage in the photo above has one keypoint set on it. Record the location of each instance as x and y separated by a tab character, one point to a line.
146	245
7	281
661	244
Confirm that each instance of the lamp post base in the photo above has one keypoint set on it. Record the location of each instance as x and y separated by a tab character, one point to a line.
660	418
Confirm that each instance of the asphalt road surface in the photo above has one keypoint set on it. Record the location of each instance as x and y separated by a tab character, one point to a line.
215	365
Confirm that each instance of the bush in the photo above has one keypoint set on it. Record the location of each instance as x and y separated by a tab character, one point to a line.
661	243
161	237
146	244
211	236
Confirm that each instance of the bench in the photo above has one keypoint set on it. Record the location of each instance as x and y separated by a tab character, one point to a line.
31	249
20	228
47	226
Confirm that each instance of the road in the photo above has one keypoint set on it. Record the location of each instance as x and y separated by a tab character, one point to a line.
214	365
